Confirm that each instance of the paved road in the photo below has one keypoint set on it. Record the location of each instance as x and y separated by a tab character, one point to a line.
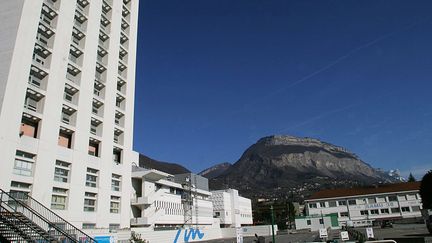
288	238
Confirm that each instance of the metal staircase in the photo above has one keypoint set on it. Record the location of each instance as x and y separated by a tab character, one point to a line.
24	219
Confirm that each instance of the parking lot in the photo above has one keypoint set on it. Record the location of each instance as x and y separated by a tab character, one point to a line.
402	233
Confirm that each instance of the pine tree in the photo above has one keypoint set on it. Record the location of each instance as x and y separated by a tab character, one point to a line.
426	190
411	178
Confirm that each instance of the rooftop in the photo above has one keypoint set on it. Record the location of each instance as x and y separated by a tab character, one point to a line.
357	191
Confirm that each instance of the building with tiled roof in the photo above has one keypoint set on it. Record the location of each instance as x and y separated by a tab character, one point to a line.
368	205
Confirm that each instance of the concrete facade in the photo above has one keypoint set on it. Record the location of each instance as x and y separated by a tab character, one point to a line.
232	209
67	104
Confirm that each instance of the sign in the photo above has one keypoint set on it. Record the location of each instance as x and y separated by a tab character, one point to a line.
370	233
344	235
323	233
239	234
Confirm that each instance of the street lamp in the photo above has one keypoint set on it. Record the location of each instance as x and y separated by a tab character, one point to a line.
272	219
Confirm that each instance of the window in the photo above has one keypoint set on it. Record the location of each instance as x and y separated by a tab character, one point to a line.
65	139
91	177
31	104
405	209
115	204
61	171
395	210
312	205
371	200
332	204
23	163
321	221
117	155
93	148
344	214
392	198
374	211
415	208
115	182
381	199
308	222
217	214
88	226
322	204
364	212
59	198
29	127
385	211
22	185
352	202
342	203
90	202
114	226
172	190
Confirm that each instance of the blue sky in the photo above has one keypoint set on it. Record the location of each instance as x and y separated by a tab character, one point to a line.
214	76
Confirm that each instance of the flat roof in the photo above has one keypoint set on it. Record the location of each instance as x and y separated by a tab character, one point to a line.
358	191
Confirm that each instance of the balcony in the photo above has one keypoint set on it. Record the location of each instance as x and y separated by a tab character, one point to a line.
73	70
119	118
97	107
45	30
68	114
44	41
100	67
120	101
121	66
83	3
53	4
125	13
121	88
101	51
123	38
33	100
49	11
79	35
117	154
42	51
95	127
125	26
98	89
80	20
38	72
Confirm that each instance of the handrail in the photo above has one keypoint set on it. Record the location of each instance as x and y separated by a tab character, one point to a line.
55	221
16	227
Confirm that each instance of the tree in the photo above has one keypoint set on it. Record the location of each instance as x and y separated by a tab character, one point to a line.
136	238
426	190
411	178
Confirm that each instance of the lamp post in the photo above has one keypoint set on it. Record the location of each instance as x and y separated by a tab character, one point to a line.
272	221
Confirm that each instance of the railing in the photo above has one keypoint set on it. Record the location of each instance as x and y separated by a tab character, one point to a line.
55	226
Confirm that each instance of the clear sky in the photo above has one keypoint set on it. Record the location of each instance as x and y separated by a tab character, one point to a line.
214	76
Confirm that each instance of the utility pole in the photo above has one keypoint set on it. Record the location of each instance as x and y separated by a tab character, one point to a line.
272	221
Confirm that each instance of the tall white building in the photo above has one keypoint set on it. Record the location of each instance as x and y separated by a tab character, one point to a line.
67	105
232	209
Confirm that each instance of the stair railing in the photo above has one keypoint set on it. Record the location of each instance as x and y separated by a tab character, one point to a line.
45	218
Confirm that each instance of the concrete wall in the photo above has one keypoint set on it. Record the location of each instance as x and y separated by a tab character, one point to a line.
168	236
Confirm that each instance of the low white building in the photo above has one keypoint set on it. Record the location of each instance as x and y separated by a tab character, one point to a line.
162	200
232	210
368	205
316	222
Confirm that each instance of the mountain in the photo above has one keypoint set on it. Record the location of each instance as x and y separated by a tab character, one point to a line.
171	168
278	166
215	170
